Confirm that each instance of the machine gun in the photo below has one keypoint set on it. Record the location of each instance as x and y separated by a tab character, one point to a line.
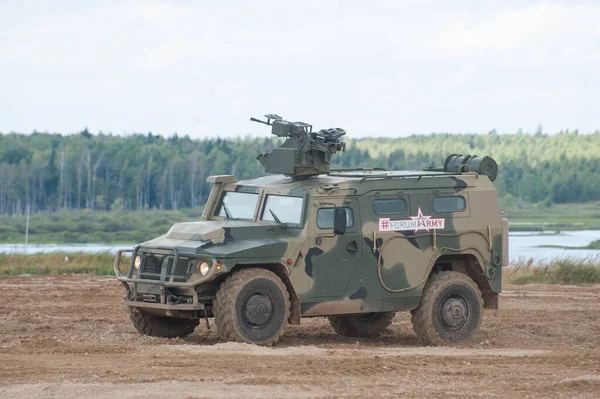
305	153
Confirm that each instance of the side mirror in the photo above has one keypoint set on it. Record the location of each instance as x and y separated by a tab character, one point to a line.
339	221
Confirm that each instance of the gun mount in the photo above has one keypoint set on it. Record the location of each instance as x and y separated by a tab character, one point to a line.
305	153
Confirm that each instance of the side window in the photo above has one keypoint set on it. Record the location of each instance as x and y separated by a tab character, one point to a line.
389	206
449	204
325	218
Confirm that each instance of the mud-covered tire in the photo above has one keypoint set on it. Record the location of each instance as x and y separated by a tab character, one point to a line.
252	306
368	325
450	311
161	326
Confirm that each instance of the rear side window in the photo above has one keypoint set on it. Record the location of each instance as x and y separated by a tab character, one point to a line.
389	206
325	218
449	204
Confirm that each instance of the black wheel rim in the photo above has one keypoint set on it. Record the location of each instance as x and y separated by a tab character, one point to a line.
257	310
454	312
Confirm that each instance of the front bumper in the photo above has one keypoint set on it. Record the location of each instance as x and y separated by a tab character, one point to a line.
186	311
168	296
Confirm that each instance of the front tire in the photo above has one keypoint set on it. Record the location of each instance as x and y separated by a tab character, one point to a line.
368	325
450	311
252	306
161	326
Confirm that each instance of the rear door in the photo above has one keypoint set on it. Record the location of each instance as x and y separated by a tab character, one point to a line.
405	228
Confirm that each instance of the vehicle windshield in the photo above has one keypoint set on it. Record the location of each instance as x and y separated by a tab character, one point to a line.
283	209
236	205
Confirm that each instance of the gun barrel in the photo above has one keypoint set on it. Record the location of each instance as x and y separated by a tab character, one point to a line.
259	121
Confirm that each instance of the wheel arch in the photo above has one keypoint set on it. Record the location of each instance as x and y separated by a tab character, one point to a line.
471	265
282	272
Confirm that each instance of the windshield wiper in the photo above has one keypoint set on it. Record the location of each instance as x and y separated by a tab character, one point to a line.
274	216
227	214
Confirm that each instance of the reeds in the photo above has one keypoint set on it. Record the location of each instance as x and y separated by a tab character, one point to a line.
566	270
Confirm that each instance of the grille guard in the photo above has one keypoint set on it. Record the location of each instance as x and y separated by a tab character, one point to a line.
170	310
125	279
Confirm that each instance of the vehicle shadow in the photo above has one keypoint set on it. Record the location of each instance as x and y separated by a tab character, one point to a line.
318	333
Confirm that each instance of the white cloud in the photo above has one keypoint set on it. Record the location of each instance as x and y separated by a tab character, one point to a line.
170	34
537	35
365	65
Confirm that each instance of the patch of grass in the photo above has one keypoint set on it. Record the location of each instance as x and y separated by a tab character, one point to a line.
86	226
524	216
566	271
57	263
592	245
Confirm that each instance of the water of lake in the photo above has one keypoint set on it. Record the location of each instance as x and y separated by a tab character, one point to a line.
525	245
522	245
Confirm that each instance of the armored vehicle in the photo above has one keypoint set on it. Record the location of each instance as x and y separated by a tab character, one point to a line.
355	246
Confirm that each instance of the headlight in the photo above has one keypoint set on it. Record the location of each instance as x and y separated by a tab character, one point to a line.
137	262
203	267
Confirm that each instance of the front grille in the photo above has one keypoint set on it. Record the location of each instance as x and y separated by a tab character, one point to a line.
152	264
162	266
181	269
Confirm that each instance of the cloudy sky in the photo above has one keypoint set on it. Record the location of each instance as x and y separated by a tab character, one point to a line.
375	68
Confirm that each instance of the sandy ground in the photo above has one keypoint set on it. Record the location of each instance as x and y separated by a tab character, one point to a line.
70	337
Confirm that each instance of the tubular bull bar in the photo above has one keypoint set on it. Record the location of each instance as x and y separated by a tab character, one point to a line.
169	309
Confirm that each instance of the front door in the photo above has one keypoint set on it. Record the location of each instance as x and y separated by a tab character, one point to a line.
332	259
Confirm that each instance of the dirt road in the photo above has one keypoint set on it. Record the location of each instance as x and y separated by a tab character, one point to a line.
70	337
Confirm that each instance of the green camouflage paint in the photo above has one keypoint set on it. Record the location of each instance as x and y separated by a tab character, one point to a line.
368	269
336	274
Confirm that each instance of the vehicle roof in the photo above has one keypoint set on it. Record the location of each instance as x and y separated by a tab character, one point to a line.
364	181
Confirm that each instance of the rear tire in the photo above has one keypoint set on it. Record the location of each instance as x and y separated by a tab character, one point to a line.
161	326
368	325
450	311
252	306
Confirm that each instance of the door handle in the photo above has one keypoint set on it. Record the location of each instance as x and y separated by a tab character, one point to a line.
352	247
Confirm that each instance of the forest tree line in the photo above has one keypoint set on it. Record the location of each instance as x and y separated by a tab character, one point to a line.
49	172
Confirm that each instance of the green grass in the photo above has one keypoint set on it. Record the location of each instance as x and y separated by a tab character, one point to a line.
85	226
566	271
592	245
525	216
569	271
57	263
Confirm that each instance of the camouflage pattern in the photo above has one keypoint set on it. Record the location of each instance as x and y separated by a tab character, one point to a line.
363	270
